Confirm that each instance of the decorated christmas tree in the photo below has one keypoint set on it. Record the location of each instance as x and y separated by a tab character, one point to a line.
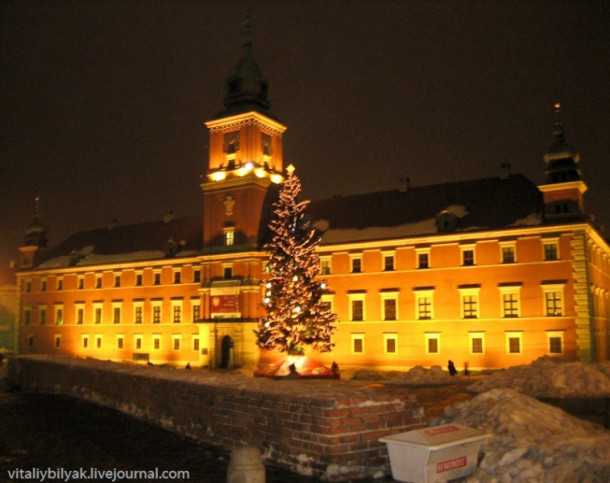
296	316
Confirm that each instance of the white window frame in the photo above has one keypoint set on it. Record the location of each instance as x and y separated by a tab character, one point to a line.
156	338
510	290
508	244
326	267
98	306
352	258
195	304
418	253
465	248
385	255
58	314
514	334
470	292
390	336
354	337
433	336
391	295
471	337
424	294
558	288
153	305
79	307
177	304
115	306
553	242
357	297
138	304
551	334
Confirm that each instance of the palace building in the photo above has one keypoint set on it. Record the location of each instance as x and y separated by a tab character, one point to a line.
491	272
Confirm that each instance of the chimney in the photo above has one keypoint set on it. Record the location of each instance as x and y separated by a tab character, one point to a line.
504	170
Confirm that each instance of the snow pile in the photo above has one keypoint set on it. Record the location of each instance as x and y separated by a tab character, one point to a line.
532	441
416	375
551	377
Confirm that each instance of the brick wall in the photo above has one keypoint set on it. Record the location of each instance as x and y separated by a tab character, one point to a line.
326	429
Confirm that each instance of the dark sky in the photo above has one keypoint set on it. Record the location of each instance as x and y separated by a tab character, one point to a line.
103	102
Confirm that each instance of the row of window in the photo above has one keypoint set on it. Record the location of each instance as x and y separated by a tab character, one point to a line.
510	302
117	281
97	342
507	249
96	316
476	343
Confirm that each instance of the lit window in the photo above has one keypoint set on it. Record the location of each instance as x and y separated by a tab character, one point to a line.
476	342
59	315
423	304
357	343
514	342
390	343
229	236
433	343
555	341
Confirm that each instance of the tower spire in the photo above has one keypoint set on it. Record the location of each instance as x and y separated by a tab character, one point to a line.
561	159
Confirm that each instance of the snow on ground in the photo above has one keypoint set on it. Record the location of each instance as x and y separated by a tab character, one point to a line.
530	440
550	377
533	441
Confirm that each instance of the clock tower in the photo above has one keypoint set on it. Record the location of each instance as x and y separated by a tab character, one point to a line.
245	160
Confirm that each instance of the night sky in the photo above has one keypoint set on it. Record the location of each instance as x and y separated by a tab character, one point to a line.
103	102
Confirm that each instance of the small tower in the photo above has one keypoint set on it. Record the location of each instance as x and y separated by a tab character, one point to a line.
564	189
35	239
245	158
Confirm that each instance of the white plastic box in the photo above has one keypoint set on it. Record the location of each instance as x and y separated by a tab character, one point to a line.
435	453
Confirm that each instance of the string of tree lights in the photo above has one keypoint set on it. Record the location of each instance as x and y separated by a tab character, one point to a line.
296	315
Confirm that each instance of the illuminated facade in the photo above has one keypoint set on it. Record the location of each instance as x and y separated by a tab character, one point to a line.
493	272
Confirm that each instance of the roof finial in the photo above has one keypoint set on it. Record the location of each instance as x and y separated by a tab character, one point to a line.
558	132
247	30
